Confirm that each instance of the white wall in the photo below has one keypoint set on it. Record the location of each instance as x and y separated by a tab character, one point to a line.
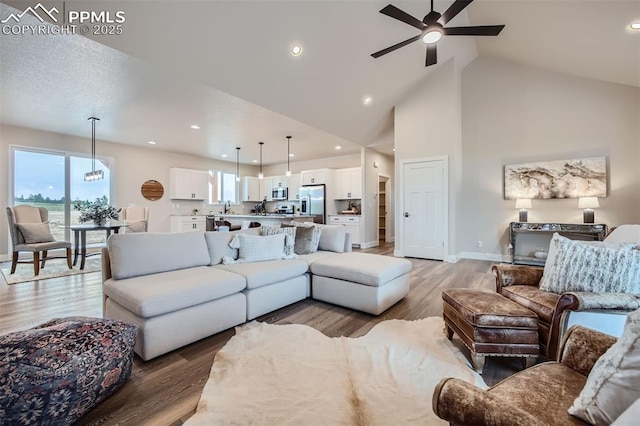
337	162
513	114
427	124
133	166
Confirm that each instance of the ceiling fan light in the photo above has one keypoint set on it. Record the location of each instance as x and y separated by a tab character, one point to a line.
432	36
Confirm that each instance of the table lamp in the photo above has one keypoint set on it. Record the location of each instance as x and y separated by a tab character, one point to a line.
588	204
523	204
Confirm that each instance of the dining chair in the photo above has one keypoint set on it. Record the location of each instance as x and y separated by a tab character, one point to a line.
30	232
135	218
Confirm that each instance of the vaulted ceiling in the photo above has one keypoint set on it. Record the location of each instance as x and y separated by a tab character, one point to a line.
226	65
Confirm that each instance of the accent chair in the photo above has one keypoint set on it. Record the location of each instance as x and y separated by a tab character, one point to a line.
29	229
136	218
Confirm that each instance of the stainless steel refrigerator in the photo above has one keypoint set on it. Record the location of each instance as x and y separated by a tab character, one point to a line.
312	202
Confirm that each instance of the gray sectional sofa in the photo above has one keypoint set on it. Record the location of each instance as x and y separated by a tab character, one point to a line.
175	289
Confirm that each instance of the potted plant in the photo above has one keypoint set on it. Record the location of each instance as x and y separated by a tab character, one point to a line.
98	211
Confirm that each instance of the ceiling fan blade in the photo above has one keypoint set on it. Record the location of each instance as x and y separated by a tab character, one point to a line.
453	10
432	54
483	30
394	12
396	46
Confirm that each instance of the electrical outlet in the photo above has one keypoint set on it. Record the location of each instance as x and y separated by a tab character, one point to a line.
479	243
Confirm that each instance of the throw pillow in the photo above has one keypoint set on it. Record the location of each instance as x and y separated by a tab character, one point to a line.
614	381
332	238
290	238
256	248
34	233
575	266
307	238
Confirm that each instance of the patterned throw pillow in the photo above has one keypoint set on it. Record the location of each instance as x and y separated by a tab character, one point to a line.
256	248
614	381
307	237
34	233
290	239
576	266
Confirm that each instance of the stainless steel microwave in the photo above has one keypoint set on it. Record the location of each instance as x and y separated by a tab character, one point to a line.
279	193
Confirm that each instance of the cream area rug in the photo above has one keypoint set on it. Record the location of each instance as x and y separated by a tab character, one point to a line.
52	269
295	375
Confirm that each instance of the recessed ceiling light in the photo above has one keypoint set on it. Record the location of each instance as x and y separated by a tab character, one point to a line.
254	161
151	142
635	26
394	150
195	126
338	147
296	50
224	156
292	155
367	100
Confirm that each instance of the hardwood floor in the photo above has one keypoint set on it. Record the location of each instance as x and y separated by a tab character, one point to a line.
166	390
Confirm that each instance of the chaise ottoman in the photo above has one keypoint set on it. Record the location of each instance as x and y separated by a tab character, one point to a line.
367	282
490	324
58	371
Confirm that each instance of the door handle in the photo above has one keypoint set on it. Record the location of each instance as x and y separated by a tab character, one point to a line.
406	214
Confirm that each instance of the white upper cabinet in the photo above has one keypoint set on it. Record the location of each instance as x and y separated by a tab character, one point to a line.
251	189
279	181
316	177
266	186
348	183
293	187
187	184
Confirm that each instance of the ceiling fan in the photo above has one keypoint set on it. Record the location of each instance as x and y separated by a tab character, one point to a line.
432	28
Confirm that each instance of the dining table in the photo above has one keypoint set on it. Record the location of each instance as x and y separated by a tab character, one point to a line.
80	237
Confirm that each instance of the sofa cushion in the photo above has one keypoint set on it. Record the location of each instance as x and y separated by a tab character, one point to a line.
218	244
264	273
151	295
543	303
362	268
614	381
147	253
544	390
332	238
312	257
581	267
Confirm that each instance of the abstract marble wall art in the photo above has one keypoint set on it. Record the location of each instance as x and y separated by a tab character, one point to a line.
585	177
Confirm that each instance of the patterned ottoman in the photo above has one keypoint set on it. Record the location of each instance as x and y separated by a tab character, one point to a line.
56	372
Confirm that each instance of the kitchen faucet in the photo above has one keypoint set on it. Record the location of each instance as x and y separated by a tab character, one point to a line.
227	206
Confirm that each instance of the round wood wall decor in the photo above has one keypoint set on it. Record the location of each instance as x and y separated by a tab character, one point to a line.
152	190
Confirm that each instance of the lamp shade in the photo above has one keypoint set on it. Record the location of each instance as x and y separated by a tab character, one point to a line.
588	203
523	203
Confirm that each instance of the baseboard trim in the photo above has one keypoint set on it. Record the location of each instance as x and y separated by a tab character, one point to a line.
398	253
493	257
450	259
369	244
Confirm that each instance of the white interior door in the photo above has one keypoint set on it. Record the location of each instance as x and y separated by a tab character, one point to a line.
423	214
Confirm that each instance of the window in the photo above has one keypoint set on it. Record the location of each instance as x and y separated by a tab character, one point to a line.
222	187
55	180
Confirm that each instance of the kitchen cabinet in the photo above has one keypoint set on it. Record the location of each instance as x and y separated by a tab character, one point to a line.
293	185
316	177
351	224
187	184
348	183
279	181
251	189
188	223
266	186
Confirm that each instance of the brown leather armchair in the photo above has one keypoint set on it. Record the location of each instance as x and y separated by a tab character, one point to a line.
540	395
520	283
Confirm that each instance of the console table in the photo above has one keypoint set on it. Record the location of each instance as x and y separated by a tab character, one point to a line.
587	231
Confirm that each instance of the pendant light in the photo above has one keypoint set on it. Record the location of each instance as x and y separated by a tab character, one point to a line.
94	174
288	155
237	164
261	175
